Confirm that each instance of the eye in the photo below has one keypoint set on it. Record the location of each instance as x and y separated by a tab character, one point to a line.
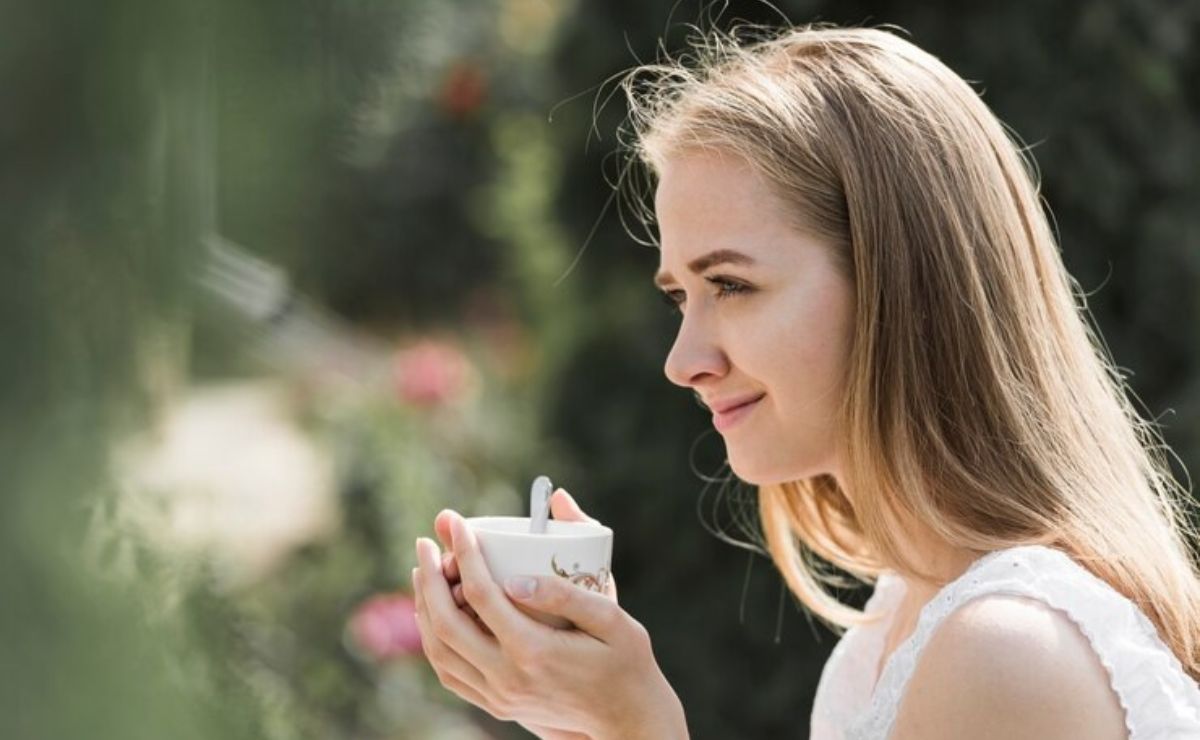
725	288
673	298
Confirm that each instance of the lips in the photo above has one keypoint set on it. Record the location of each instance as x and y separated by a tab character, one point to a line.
724	407
734	411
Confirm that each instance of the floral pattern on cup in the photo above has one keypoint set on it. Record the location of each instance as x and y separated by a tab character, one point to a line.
591	581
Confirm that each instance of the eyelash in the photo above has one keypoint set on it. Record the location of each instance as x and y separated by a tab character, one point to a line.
727	288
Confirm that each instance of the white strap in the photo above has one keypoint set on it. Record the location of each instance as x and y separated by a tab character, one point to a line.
1160	700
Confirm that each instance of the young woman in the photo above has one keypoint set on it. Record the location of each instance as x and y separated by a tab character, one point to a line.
873	306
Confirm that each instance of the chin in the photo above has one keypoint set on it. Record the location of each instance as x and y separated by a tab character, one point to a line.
760	472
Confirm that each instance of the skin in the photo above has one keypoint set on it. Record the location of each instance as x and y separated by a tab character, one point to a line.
598	680
777	324
781	326
785	332
1037	659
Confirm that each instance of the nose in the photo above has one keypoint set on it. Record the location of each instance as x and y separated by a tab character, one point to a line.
695	355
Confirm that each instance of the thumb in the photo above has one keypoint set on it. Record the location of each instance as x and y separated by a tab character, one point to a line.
564	508
591	612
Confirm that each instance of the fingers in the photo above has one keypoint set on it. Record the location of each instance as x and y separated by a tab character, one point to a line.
441	527
590	612
456	674
450	568
449	624
451	574
491	603
452	670
461	602
564	508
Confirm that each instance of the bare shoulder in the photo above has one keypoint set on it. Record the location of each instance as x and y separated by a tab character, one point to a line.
1006	666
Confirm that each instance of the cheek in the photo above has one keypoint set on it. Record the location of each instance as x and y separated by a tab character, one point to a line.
810	354
797	351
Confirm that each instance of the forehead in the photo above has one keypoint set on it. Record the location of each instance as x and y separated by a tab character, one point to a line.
709	201
712	187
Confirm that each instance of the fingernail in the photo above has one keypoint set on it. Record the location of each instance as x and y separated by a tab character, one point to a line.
521	587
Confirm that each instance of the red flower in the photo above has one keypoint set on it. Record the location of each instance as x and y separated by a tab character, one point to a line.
463	90
385	626
430	373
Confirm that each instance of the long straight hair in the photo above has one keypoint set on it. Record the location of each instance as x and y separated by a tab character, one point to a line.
981	404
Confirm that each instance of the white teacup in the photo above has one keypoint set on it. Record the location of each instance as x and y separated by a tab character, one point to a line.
580	552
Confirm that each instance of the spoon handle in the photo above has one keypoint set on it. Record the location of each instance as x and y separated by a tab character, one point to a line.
539	504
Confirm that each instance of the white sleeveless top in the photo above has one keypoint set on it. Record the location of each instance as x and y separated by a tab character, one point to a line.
1160	700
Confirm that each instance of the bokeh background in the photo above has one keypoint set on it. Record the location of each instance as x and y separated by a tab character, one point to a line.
283	279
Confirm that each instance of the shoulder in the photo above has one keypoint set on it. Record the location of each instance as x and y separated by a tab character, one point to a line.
1009	666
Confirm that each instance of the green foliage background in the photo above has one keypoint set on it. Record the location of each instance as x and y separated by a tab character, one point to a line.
401	161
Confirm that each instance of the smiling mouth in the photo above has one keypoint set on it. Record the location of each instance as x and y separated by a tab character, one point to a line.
723	420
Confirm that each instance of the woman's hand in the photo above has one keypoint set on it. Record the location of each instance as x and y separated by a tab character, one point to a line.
599	680
562	508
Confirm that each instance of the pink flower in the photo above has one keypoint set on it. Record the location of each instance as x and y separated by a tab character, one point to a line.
464	89
385	626
430	373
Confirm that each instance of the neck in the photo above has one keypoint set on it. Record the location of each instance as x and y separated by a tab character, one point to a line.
943	562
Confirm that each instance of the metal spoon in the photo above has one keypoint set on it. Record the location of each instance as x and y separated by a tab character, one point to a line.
539	504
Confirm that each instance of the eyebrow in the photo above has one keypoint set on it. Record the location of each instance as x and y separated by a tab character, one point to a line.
703	262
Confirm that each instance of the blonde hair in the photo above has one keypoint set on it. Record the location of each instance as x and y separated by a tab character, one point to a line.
979	402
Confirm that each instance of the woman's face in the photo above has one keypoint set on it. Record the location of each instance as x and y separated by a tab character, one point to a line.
766	314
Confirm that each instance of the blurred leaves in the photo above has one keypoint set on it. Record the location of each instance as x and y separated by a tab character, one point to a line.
399	162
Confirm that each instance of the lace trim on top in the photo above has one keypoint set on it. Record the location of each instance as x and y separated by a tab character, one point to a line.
845	685
1159	699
